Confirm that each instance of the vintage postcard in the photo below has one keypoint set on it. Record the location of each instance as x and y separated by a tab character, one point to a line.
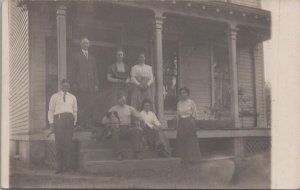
148	94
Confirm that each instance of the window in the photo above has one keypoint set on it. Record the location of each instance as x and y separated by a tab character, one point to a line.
220	88
220	77
170	74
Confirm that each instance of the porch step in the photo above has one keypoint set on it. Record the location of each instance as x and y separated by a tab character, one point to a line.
131	165
107	144
108	154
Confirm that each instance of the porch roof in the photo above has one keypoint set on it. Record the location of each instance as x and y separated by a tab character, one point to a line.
222	12
244	17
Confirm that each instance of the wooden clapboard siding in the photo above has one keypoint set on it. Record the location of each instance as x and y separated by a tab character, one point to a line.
19	69
260	86
246	80
195	74
249	3
40	28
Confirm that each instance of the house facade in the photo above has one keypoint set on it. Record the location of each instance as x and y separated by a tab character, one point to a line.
212	47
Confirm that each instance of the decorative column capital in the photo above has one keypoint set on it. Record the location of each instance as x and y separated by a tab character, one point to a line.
232	30
232	33
61	9
158	20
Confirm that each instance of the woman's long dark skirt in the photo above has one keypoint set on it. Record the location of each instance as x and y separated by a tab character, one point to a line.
187	146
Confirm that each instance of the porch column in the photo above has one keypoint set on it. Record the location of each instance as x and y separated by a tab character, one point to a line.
61	42
158	22
234	103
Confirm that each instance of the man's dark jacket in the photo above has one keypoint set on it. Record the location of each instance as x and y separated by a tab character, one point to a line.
84	75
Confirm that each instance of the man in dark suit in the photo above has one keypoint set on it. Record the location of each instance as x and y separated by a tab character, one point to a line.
85	82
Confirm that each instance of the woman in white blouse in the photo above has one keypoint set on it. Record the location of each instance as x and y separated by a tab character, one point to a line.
142	79
187	146
152	130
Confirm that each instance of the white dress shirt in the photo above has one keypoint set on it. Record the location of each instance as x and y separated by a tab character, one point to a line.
57	105
150	119
141	71
86	53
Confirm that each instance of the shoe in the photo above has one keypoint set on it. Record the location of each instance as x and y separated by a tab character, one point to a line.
164	154
72	171
138	156
58	171
185	164
119	157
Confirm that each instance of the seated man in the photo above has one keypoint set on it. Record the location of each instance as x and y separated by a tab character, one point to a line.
125	129
152	131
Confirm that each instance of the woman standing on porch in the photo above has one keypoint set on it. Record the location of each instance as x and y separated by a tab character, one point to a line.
118	75
142	79
187	145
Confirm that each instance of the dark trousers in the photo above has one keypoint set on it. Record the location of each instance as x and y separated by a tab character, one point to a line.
157	140
63	131
85	108
134	134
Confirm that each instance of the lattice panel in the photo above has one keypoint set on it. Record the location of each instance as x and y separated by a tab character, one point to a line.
255	145
50	153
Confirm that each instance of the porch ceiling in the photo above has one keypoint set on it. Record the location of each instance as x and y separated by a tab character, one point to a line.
250	21
227	13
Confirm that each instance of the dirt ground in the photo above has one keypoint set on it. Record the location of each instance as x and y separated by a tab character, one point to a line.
251	174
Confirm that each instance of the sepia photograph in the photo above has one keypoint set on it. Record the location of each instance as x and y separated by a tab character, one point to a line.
138	94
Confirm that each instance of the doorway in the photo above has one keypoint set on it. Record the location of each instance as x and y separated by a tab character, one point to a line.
104	56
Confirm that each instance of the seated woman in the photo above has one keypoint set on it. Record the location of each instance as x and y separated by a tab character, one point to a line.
152	131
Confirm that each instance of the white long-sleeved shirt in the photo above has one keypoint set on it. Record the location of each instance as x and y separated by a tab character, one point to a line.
141	71
58	106
150	119
187	108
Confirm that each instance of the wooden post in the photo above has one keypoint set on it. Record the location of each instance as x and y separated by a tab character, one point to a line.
234	103
61	42
158	22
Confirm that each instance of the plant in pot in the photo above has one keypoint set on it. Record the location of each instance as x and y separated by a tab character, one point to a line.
217	116
246	106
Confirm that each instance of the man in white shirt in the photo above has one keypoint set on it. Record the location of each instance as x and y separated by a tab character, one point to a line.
152	131
62	117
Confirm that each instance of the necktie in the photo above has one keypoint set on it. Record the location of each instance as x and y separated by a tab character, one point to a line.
64	96
86	54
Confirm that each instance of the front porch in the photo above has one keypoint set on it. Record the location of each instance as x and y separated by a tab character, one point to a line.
212	48
217	62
